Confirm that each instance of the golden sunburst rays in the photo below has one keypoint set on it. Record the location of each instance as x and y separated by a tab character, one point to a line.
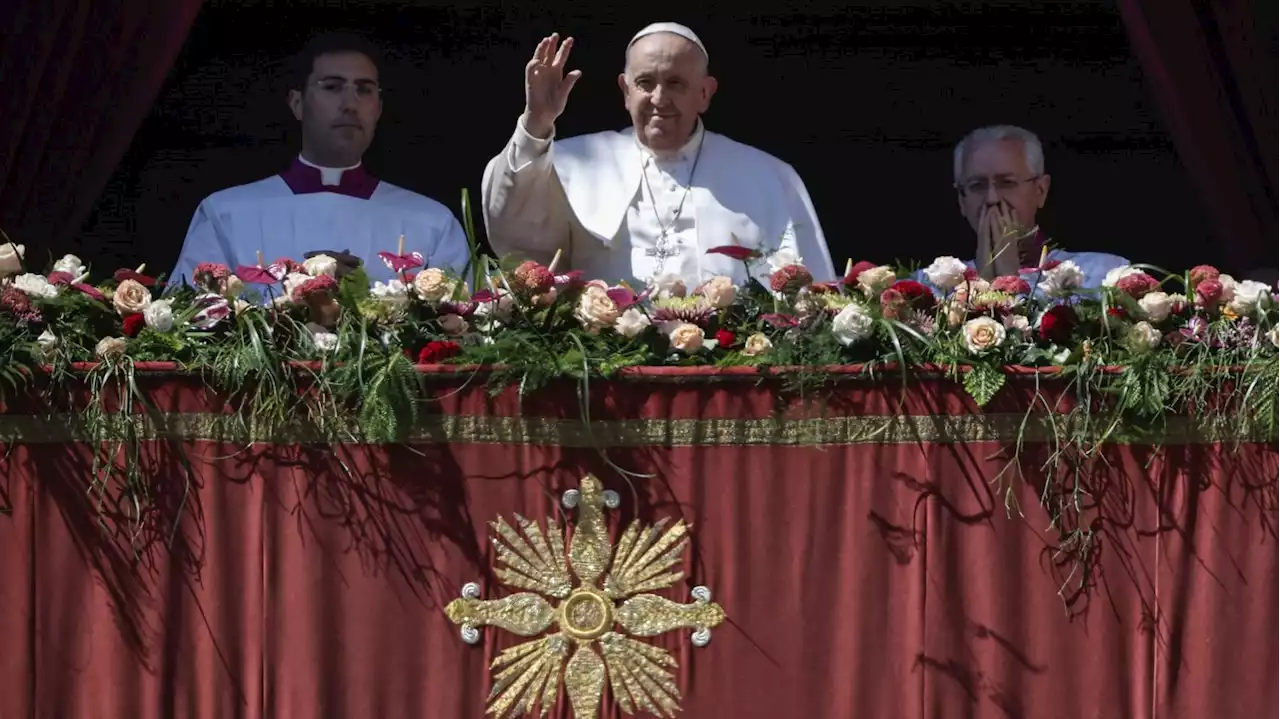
578	589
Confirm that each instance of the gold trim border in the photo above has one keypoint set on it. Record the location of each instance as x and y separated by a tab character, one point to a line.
574	433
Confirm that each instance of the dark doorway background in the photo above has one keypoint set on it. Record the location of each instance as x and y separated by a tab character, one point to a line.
865	102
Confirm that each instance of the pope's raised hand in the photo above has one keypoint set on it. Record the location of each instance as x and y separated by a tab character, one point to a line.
547	85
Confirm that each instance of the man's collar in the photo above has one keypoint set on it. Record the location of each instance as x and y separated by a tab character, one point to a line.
685	154
306	178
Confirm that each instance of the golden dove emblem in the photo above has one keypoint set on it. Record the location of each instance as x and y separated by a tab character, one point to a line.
595	598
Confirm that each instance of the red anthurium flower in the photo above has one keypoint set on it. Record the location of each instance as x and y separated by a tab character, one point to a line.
256	275
737	252
89	290
622	297
126	274
400	263
781	321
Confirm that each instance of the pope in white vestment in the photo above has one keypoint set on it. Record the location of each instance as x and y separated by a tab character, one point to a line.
620	210
308	208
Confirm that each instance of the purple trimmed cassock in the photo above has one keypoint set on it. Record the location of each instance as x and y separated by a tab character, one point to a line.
308	208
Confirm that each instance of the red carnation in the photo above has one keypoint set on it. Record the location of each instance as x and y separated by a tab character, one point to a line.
1208	292
531	278
1137	285
725	338
1200	273
133	324
438	350
1057	323
791	278
16	302
1010	284
970	274
316	288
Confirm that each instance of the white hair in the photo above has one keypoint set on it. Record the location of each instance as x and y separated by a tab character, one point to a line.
994	133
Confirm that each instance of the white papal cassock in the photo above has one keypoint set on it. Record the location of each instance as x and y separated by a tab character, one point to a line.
621	212
308	208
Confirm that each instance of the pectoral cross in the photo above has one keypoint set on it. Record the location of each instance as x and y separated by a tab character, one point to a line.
662	249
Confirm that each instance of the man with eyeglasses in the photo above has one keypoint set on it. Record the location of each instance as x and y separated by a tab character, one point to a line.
648	201
1001	184
326	198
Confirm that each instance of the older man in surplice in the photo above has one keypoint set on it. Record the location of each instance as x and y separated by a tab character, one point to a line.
651	199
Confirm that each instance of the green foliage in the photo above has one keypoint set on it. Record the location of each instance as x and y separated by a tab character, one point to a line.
982	382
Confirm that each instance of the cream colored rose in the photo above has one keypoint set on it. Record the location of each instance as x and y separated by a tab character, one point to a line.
131	298
234	287
595	309
11	258
453	324
110	347
631	322
684	336
720	292
71	265
668	285
1274	336
1142	337
946	273
293	281
433	285
757	345
1156	306
983	334
1017	323
320	265
875	280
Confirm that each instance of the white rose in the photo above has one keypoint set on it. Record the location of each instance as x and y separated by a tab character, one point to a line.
756	345
11	258
946	273
159	315
320	265
1115	275
71	265
719	292
783	257
323	339
983	334
595	309
131	297
1062	280
668	285
1156	305
453	324
631	322
33	285
851	324
1229	286
109	347
1018	323
875	280
433	285
1248	295
1142	337
686	337
48	343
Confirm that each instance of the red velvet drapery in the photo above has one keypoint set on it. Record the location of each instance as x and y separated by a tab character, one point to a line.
869	566
1214	78
77	77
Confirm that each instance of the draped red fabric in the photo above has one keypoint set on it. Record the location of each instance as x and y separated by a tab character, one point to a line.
78	79
864	572
1214	78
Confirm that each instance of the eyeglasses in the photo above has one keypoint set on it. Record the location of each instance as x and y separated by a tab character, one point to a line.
365	89
980	186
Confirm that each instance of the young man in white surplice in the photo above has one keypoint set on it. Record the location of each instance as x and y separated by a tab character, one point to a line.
326	200
651	199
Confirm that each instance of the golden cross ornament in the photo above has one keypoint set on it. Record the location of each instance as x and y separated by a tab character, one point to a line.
591	626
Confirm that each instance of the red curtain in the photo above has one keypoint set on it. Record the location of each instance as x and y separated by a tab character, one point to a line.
78	78
1213	75
863	574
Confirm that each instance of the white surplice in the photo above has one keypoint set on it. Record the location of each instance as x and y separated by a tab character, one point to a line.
231	226
606	200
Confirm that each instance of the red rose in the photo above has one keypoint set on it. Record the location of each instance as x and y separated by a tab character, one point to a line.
913	293
1057	323
852	277
437	351
1137	285
1200	273
791	278
133	324
1011	284
725	338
